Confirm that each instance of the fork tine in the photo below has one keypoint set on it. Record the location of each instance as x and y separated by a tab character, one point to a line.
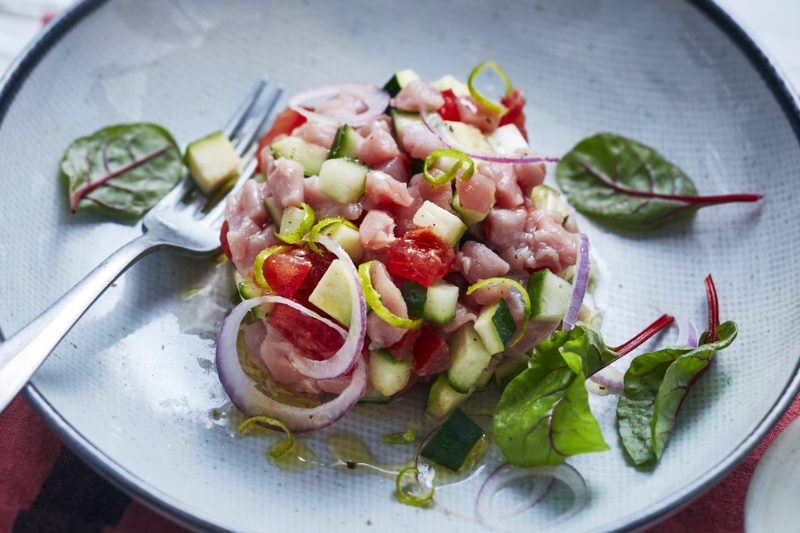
218	209
244	108
252	129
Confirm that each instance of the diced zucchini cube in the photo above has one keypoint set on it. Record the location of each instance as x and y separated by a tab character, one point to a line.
346	143
343	180
496	326
443	223
274	209
311	156
346	237
403	119
550	296
443	399
399	80
332	293
453	442
291	219
469	136
212	161
508	140
447	81
440	303
387	374
546	198
469	216
468	358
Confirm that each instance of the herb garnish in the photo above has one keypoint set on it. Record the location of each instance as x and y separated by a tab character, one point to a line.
627	185
657	383
121	170
543	416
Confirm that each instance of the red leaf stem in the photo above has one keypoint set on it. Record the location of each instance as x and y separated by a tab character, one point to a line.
718	199
713	310
662	322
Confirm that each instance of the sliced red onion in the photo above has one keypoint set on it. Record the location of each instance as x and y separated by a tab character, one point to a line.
437	126
373	96
508	474
343	360
687	332
247	396
609	381
579	283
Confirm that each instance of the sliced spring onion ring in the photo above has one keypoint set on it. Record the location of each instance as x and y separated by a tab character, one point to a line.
247	396
525	298
300	231
579	283
278	452
376	99
507	475
321	225
484	101
343	360
258	266
415	500
374	301
450	174
400	438
439	127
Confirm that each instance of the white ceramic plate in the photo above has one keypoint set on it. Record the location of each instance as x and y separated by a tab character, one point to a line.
134	396
774	489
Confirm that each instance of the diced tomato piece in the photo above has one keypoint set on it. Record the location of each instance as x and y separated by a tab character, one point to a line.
514	102
286	271
431	353
316	339
449	111
223	241
421	256
286	121
403	350
319	265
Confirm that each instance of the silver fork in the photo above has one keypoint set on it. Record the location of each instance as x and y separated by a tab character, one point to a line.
172	225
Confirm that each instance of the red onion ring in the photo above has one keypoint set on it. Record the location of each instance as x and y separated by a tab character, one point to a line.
580	282
508	474
611	379
373	96
343	360
687	331
246	396
436	125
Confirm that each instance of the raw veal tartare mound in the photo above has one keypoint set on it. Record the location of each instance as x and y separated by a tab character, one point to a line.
395	236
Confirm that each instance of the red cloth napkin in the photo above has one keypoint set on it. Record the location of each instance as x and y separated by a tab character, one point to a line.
45	488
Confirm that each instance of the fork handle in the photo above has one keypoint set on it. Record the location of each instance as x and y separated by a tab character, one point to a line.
23	353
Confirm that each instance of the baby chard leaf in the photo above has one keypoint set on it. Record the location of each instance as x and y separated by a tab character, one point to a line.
543	416
655	387
627	185
121	170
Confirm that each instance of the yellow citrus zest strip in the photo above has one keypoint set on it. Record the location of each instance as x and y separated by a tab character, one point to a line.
374	301
274	453
450	174
416	500
305	226
487	102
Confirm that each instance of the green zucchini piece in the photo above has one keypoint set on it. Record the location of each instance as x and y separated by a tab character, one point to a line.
453	442
311	156
345	143
399	80
440	303
508	369
496	326
415	295
550	296
443	399
468	358
387	374
343	180
375	397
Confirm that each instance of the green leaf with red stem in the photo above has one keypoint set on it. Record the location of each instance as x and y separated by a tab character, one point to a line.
655	386
121	170
626	185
